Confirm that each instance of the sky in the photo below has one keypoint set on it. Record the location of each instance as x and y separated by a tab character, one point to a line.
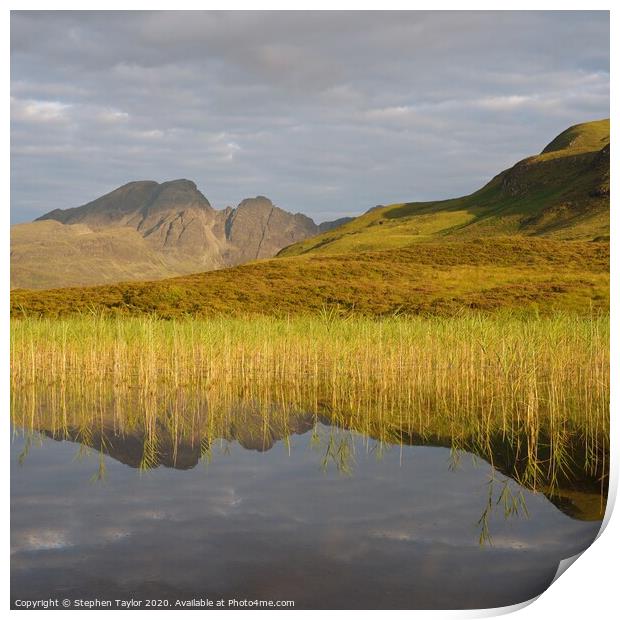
326	113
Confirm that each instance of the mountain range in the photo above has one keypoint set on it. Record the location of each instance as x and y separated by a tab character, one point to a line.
535	237
149	230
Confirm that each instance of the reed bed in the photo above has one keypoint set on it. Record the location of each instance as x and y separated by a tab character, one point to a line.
531	392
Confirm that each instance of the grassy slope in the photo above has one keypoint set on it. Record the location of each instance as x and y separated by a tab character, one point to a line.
438	278
562	193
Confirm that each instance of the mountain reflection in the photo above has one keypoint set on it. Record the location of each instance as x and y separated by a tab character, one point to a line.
576	494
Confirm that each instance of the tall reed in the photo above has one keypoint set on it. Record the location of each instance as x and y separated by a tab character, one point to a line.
537	389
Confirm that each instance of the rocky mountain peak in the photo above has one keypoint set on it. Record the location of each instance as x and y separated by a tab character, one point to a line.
174	224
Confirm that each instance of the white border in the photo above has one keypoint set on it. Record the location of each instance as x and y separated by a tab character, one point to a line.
587	589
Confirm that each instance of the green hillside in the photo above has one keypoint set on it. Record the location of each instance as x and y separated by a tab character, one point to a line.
562	193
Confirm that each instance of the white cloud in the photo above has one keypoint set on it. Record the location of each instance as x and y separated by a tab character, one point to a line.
41	540
33	111
392	112
112	116
505	102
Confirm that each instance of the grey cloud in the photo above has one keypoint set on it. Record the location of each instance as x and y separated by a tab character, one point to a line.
327	113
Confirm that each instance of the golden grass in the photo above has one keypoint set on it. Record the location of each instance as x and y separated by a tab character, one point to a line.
531	396
525	275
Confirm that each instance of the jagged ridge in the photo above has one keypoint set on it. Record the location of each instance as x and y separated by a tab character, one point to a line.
149	230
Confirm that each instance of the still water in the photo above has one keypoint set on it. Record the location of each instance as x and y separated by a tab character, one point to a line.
326	518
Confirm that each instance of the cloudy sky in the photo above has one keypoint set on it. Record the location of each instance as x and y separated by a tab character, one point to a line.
326	113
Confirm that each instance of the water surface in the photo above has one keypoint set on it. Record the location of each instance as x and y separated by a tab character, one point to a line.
327	518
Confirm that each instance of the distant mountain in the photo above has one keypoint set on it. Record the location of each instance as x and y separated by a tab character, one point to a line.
561	193
148	230
325	226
